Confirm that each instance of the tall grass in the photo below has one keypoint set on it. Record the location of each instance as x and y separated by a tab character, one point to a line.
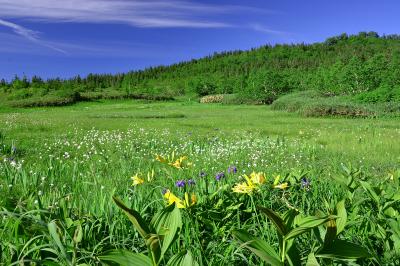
58	187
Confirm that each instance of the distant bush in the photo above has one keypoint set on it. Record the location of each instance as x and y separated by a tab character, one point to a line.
311	103
217	98
382	94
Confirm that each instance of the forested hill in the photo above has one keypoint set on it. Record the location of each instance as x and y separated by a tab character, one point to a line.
365	65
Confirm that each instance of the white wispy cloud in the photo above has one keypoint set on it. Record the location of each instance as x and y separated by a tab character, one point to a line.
136	13
28	34
261	28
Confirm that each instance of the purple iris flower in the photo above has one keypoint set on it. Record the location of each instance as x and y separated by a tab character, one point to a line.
232	169
180	183
191	182
219	176
202	174
305	183
164	191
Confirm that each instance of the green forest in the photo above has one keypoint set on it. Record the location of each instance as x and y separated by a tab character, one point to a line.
362	68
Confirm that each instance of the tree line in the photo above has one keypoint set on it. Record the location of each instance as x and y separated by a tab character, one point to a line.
365	65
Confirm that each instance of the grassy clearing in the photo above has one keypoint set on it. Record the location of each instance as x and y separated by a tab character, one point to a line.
61	167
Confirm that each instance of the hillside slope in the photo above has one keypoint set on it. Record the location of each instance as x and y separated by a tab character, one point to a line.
365	67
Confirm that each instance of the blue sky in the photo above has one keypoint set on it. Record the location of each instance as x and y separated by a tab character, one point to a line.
63	38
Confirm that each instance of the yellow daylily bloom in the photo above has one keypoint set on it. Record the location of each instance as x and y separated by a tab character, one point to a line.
252	183
178	163
276	181
181	204
194	199
137	180
257	178
161	158
282	185
245	188
190	202
170	160
171	198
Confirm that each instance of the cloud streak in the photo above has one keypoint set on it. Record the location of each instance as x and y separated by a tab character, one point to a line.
28	34
137	13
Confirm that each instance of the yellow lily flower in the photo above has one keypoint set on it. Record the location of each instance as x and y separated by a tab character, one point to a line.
190	202
181	204
252	183
137	180
282	185
171	198
178	163
161	158
257	178
244	188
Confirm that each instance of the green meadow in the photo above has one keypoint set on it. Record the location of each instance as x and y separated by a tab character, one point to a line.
135	182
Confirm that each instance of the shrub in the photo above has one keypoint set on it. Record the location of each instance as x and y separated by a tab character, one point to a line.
217	98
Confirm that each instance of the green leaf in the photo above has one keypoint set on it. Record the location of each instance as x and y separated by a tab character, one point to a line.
167	223
342	216
183	258
312	260
52	227
342	249
289	217
276	219
307	224
331	232
125	257
293	254
370	191
134	217
258	246
78	234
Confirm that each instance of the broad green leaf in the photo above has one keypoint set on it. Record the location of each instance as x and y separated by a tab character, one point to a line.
134	217
312	260
307	224
49	263
276	219
312	221
342	216
370	191
293	254
153	242
52	227
342	249
167	223
289	217
184	258
331	232
125	257
78	234
258	246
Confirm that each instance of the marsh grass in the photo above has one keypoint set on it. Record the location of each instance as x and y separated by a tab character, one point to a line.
68	174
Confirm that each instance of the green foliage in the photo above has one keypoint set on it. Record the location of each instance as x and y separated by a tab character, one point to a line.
311	103
364	65
57	209
161	233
